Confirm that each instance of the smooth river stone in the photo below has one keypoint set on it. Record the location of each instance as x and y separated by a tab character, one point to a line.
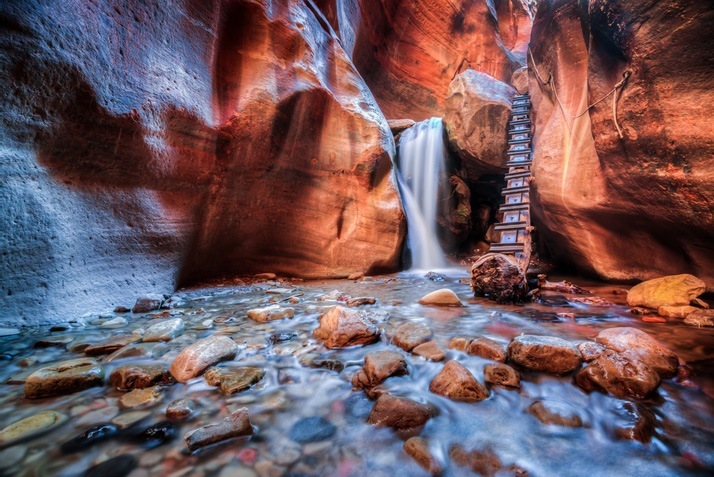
399	413
164	331
138	376
236	425
637	345
409	335
196	358
111	345
343	327
234	380
378	367
270	313
443	297
140	397
544	353
458	384
30	427
64	378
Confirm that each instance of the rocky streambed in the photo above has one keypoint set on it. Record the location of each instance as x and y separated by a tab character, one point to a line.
357	377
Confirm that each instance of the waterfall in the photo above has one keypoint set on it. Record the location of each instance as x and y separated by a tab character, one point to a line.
422	158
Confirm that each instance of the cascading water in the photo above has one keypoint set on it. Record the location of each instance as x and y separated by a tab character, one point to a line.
422	159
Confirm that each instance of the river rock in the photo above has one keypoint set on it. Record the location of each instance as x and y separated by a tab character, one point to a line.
343	327
270	313
361	301
90	437
138	376
632	421
618	375
483	462
544	353
157	434
312	429
378	367
140	397
398	413
443	297
590	350
487	348
194	359
148	303
119	466
676	311
700	318
458	384
164	331
673	290
429	351
501	375
180	408
117	322
498	277
410	334
418	449
52	341
233	380
555	413
64	378
30	427
111	345
459	343
638	345
236	425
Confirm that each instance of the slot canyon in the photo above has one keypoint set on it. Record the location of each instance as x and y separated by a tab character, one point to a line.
264	238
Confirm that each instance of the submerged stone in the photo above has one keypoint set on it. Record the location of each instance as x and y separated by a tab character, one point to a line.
181	408
64	378
30	427
618	375
378	367
418	449
194	359
140	397
90	437
236	425
158	434
164	331
234	380
111	345
139	376
555	413
457	383
343	327
399	413
409	335
119	466
312	429
544	353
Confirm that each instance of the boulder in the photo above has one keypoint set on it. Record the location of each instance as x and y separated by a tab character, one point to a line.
478	108
638	345
501	375
443	297
410	334
676	290
618	375
429	351
590	350
139	376
544	353
64	378
164	331
700	318
270	313
399	413
30	427
499	277
234	380
343	327
194	359
236	425
519	80
146	303
555	413
676	311
487	348
378	367
418	449
458	384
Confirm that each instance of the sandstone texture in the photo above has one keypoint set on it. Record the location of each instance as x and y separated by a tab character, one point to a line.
398	413
476	120
501	375
618	375
378	367
342	327
639	346
636	207
674	290
194	359
409	335
544	353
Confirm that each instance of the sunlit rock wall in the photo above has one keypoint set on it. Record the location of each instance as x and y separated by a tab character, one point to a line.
640	206
145	144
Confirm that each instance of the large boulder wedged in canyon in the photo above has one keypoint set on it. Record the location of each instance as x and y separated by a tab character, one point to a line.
150	145
639	206
408	51
304	185
476	120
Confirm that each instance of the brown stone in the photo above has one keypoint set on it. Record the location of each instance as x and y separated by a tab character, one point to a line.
483	462
519	80
111	345
140	397
676	311
148	303
194	359
64	378
180	409
501	375
638	345
618	375
499	277
233	380
487	348
544	353
270	313
632	421
654	319
236	425
361	301
163	331
429	351
555	413
378	367
409	335
343	327
459	343
418	449
398	413
590	350
139	376
458	384
443	297
700	318
674	290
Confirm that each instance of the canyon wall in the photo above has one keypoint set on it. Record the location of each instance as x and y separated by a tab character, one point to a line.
150	145
639	206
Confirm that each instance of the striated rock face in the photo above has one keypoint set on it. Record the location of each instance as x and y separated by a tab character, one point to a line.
408	51
148	144
637	206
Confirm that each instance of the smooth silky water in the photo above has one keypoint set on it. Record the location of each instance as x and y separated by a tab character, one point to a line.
683	445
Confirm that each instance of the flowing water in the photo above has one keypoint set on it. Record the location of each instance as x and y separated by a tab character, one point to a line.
422	167
683	443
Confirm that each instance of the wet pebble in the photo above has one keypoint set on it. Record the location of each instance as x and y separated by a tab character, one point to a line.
312	429
90	437
181	408
158	434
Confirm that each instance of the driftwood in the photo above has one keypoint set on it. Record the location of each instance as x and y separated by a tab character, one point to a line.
500	278
562	286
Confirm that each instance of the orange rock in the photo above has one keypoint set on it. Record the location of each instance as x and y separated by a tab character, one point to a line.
458	384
